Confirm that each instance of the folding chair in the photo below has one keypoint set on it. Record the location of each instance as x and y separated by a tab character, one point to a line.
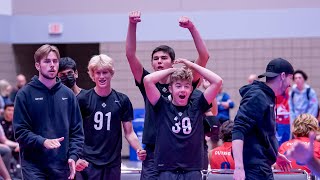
130	174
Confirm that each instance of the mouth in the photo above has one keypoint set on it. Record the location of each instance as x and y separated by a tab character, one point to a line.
102	81
182	96
160	68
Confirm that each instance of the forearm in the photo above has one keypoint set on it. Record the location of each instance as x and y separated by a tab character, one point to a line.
200	46
133	140
237	149
131	40
158	75
11	143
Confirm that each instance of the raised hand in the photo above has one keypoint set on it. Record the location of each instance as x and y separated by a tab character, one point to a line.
135	17
185	22
53	143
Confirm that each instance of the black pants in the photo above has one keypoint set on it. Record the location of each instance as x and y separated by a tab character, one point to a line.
149	169
95	172
254	172
180	175
34	173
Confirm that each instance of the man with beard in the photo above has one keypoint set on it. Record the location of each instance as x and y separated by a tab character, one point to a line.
68	74
47	122
254	142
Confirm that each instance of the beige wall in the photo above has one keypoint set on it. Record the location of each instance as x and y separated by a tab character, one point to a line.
7	63
46	7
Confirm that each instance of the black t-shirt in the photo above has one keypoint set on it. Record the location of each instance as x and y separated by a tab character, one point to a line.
149	131
179	143
102	118
7	128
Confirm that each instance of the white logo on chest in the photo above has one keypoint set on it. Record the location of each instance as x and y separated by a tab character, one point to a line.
103	105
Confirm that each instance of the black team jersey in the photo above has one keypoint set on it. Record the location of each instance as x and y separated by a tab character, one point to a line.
180	132
102	125
149	131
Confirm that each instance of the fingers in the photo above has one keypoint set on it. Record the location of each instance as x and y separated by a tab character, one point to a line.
184	21
135	16
142	154
60	139
72	168
81	164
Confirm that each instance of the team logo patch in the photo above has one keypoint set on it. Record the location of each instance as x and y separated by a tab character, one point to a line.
103	105
180	113
175	118
164	89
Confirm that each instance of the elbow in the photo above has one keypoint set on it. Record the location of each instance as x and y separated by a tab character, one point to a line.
147	79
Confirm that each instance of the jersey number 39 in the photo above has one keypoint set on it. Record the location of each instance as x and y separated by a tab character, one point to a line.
99	119
186	126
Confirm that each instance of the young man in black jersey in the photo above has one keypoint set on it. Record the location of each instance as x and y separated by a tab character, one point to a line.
104	111
179	144
162	58
68	74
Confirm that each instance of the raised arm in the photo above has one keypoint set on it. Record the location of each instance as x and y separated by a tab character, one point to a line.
150	81
131	43
203	53
214	80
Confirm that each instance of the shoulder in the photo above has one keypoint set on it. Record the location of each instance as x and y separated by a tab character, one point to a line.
119	95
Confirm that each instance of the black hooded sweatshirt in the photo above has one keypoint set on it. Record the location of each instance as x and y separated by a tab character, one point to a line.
255	124
41	113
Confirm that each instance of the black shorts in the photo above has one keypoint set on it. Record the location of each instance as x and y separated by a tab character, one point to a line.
93	172
254	172
149	170
180	175
32	173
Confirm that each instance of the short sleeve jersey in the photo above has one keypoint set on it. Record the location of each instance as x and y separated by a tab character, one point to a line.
149	131
102	117
221	157
180	132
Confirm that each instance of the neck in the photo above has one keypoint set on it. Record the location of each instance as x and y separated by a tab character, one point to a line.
274	88
301	87
102	91
49	83
76	90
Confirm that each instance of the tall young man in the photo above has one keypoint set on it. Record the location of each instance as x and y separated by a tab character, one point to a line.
179	144
162	58
254	143
104	111
47	122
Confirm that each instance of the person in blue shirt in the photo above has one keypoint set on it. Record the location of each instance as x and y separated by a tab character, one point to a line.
224	105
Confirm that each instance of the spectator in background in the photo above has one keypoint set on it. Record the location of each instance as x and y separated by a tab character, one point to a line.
302	98
68	74
220	157
304	153
252	77
283	117
21	81
5	91
224	105
302	126
6	121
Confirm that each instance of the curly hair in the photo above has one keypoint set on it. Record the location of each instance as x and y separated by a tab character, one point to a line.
304	124
181	74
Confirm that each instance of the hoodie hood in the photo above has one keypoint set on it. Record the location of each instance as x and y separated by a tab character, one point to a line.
39	85
255	86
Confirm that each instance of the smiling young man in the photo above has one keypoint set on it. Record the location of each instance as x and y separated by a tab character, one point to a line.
179	147
162	58
47	122
104	111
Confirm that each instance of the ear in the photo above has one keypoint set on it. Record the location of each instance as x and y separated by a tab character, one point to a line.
283	76
170	89
37	65
76	74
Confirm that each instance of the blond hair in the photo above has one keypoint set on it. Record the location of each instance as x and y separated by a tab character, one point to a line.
304	124
101	61
44	50
181	74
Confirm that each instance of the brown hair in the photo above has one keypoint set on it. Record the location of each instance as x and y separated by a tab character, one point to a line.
304	124
44	50
181	74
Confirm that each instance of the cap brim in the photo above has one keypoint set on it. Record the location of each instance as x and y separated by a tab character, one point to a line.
268	74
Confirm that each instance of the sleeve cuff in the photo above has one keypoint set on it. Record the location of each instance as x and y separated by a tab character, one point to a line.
237	135
74	157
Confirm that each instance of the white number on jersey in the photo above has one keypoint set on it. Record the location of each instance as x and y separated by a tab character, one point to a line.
186	126
98	119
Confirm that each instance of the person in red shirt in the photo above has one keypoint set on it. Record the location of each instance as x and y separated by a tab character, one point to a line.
220	157
302	126
283	118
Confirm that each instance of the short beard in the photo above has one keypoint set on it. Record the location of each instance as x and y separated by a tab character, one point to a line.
47	77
